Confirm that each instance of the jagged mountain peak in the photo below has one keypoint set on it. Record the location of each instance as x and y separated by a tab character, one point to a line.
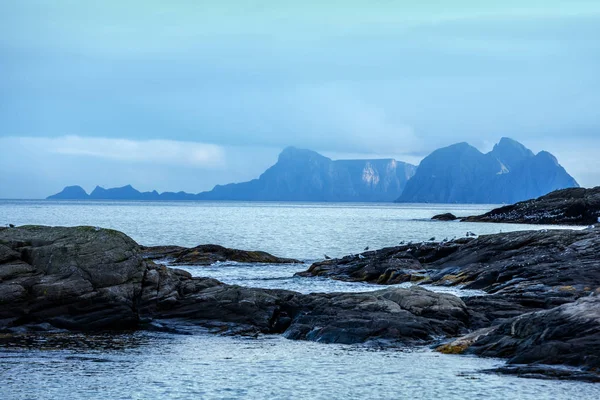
295	153
511	153
462	174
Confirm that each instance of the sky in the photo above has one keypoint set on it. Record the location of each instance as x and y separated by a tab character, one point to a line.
184	95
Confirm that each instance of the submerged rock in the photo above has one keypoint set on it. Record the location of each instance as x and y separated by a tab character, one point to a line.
95	279
575	206
209	254
547	372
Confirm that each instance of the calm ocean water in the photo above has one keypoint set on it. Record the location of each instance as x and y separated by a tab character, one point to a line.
303	231
160	365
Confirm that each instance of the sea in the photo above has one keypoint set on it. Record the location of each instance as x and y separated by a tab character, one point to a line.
149	365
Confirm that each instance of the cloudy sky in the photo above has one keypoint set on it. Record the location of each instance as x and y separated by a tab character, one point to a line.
182	95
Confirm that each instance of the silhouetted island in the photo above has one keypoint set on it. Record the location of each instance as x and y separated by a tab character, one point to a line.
298	175
462	174
455	174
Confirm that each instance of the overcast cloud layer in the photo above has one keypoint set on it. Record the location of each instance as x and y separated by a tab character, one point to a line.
183	95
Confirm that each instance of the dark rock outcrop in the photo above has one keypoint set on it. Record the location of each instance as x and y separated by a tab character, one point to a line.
462	174
543	303
506	262
548	372
208	254
86	278
445	217
391	265
407	315
566	335
69	277
575	206
512	267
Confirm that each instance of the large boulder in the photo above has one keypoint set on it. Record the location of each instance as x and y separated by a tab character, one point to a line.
408	316
78	278
566	335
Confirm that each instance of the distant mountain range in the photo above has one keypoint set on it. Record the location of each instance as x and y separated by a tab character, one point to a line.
120	193
456	174
304	175
298	175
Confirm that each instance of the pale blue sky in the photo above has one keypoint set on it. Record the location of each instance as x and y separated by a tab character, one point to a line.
185	95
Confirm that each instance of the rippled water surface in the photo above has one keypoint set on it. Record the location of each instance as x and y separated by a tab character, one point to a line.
147	365
156	366
271	276
304	231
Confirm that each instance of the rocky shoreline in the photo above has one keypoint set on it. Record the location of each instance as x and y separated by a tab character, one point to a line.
574	206
91	279
543	302
542	307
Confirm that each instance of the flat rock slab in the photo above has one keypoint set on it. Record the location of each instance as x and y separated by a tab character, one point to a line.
547	372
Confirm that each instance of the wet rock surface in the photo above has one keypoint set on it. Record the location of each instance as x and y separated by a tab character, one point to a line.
536	343
547	372
411	315
95	279
542	303
536	268
69	277
209	254
575	206
566	335
542	311
391	265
